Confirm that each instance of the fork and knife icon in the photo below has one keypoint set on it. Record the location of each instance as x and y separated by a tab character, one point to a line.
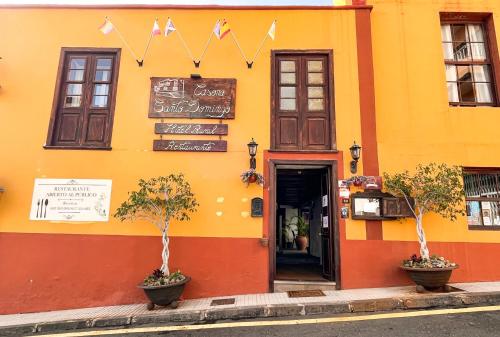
41	211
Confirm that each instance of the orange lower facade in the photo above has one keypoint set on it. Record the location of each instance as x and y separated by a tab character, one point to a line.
55	272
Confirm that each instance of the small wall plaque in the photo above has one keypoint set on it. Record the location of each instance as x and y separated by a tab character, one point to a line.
257	207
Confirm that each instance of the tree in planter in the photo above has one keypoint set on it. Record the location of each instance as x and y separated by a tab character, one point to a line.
432	188
158	200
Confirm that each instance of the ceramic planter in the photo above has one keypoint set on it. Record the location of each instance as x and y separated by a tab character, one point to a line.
301	242
429	278
166	295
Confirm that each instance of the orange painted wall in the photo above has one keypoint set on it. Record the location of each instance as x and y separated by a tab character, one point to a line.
42	272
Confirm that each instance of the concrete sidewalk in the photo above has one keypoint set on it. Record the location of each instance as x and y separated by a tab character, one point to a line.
251	306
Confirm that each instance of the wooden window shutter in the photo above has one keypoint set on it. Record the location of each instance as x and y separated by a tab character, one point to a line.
82	115
301	118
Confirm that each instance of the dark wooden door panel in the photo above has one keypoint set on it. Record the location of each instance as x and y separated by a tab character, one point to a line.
288	131
68	128
316	132
96	128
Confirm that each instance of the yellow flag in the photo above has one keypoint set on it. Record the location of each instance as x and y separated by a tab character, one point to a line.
272	30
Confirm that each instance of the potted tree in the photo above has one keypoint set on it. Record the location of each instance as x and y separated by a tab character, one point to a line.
302	233
432	188
158	201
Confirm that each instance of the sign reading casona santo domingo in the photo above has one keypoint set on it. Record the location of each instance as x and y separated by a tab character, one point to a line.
71	200
192	98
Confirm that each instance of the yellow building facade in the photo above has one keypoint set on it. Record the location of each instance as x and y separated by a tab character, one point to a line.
386	88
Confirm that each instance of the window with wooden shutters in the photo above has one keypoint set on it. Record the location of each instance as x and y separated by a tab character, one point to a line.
471	59
82	116
301	94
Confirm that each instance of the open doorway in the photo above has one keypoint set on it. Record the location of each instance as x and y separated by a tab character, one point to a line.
303	201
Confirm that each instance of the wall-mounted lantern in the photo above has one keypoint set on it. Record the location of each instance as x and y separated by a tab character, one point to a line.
252	151
355	154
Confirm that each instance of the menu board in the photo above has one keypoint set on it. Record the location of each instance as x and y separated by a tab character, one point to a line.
71	200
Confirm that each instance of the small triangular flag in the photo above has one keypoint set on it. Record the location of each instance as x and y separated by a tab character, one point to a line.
156	29
106	27
224	29
217	29
169	28
272	31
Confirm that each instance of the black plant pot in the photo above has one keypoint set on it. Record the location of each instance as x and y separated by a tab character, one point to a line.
430	278
167	295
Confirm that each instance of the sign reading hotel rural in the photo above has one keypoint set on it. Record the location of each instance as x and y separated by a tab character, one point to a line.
190	129
190	145
192	98
71	200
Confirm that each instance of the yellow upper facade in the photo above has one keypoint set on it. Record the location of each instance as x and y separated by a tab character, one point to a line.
28	71
415	123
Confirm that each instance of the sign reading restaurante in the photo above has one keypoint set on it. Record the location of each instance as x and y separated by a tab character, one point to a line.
190	145
71	200
192	98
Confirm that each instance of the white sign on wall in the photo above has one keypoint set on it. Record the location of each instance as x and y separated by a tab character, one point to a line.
71	200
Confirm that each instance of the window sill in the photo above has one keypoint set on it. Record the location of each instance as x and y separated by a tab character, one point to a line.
60	147
484	228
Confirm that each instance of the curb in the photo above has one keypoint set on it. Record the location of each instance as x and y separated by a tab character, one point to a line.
427	301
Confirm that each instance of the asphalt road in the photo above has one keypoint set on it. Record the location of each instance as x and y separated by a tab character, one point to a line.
399	324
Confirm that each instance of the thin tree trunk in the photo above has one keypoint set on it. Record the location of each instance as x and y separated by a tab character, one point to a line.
424	251
165	252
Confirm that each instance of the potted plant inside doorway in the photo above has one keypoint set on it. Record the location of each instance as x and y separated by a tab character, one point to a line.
432	188
158	201
301	239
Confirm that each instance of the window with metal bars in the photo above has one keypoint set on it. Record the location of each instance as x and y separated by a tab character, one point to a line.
482	195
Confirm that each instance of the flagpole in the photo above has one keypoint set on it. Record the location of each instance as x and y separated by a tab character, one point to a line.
205	49
123	39
185	45
239	47
260	47
147	47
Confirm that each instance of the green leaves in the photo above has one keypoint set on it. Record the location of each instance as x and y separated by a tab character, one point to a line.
435	187
158	200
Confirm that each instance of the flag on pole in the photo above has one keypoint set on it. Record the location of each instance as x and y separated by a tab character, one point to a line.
339	2
106	27
217	29
272	31
169	28
156	29
224	29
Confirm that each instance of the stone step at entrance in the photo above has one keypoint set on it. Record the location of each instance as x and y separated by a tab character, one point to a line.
283	286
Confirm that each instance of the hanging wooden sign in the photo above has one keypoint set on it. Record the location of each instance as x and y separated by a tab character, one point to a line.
190	129
192	98
190	145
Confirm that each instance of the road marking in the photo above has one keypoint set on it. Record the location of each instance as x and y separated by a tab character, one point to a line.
275	323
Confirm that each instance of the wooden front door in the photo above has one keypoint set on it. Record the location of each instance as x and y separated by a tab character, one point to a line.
301	102
327	227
